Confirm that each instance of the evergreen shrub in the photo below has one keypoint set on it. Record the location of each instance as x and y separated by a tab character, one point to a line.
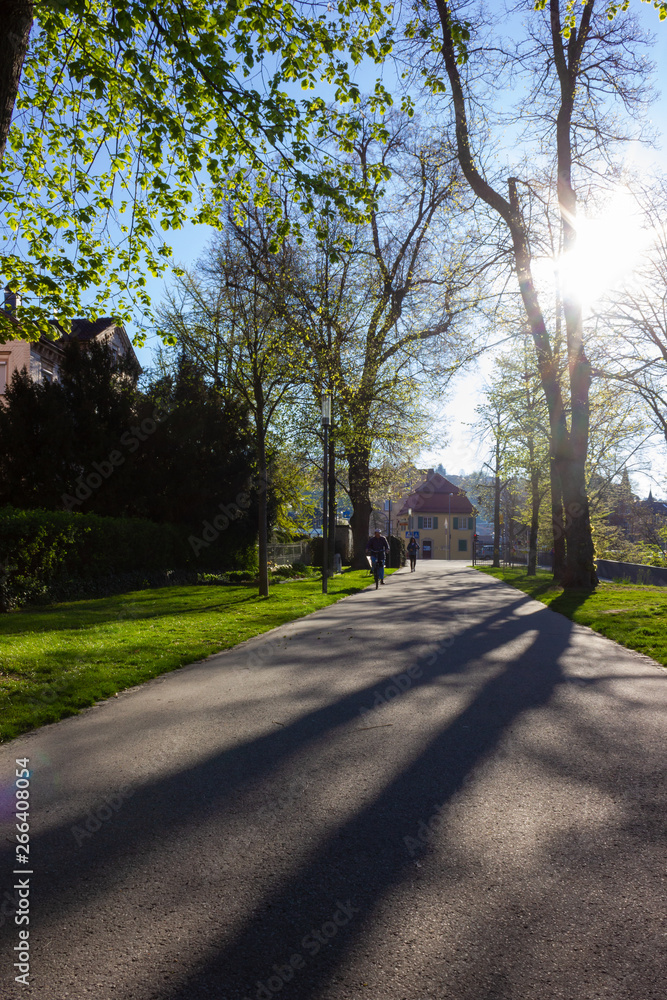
63	555
396	551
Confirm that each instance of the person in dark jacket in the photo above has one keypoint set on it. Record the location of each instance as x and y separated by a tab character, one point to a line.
412	550
377	548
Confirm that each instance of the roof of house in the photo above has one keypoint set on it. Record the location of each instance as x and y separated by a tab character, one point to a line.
655	506
81	329
436	495
88	329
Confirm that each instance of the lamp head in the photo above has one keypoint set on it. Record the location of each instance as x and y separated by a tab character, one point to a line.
326	410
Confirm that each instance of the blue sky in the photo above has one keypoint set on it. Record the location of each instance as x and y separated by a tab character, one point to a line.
457	446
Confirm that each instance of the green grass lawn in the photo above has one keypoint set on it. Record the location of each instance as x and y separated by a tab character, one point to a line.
632	615
57	660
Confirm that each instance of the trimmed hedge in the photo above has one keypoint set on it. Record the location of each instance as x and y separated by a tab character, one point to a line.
396	551
60	555
316	549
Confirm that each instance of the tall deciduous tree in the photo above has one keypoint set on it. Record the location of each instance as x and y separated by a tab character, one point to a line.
576	76
521	428
222	318
381	304
494	426
517	422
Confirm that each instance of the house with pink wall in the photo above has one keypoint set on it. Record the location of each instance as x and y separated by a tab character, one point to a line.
42	358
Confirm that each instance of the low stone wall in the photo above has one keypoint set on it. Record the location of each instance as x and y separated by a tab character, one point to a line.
634	572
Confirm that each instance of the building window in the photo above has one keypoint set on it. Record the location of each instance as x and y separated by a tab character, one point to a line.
428	522
463	544
3	377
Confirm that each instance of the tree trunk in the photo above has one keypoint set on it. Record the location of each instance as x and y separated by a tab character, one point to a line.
580	552
496	523
557	525
580	570
534	521
568	450
359	474
15	24
263	510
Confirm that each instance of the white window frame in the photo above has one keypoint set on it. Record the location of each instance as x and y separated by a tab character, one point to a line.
427	523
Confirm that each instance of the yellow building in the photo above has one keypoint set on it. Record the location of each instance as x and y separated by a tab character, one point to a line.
441	518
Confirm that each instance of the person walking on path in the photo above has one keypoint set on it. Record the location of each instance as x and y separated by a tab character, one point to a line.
413	548
377	548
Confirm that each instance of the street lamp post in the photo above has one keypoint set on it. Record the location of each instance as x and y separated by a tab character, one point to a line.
332	498
449	528
389	533
326	423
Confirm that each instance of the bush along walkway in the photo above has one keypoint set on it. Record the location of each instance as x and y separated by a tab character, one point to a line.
631	614
55	661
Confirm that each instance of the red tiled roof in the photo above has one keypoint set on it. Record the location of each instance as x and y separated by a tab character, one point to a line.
437	495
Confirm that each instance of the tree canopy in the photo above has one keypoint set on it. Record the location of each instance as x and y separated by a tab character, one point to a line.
130	119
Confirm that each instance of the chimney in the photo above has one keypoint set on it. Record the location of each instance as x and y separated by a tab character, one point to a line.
12	302
429	473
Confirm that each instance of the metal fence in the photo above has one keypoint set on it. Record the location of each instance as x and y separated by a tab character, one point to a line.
285	555
484	557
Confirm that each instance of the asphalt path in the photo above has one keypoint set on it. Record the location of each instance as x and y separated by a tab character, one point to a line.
440	789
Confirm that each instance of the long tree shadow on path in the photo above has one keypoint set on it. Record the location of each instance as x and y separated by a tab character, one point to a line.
366	857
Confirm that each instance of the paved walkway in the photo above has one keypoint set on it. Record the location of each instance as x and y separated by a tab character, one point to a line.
440	790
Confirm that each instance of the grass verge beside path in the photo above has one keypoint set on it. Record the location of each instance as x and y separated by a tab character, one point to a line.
632	615
57	660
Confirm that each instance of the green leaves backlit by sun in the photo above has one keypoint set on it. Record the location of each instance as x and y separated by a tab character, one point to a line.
132	118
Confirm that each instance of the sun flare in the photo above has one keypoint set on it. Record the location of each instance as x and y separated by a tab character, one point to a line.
608	249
